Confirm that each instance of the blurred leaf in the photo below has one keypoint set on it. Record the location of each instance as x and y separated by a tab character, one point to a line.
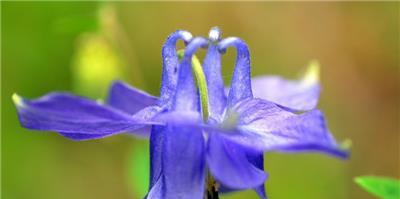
139	168
76	24
385	188
102	56
95	66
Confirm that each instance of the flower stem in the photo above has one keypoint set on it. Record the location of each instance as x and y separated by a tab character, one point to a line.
212	187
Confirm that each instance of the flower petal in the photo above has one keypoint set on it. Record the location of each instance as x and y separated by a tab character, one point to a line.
186	96
257	159
69	114
184	163
267	127
215	83
156	149
128	99
292	94
156	191
229	165
171	73
297	95
241	83
83	137
171	66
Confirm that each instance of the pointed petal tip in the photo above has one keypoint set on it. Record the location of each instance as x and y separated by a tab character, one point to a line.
312	74
18	100
338	152
346	144
344	148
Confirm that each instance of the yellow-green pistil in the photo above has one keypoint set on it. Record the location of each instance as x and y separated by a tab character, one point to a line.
201	83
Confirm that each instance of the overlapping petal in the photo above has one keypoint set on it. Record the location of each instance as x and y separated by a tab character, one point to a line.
229	164
241	82
298	95
170	61
169	82
267	127
129	99
157	190
240	89
183	163
257	159
79	117
295	95
215	83
186	96
156	150
177	153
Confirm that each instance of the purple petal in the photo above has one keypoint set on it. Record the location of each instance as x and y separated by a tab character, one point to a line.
157	190
187	119
215	83
252	110
168	89
83	137
297	95
257	160
229	165
156	149
267	127
128	99
184	163
167	92
186	96
68	114
241	83
171	66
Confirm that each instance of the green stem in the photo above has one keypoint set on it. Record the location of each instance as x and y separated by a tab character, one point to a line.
211	191
212	187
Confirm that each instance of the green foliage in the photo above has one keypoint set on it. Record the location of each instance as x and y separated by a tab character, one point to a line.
96	63
386	188
75	24
97	60
139	168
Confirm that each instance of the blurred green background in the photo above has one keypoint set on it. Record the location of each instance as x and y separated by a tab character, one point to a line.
81	47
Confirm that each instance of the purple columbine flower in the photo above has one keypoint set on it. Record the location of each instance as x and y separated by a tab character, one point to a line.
239	127
201	138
